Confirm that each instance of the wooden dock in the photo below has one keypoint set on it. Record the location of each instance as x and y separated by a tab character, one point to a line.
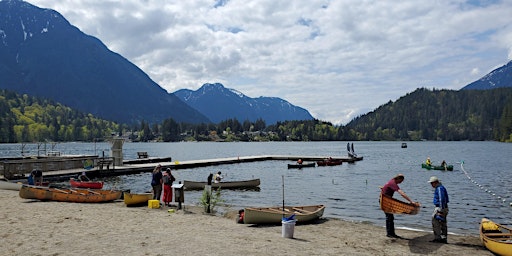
148	164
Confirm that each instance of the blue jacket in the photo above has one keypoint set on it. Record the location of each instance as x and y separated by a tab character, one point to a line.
441	197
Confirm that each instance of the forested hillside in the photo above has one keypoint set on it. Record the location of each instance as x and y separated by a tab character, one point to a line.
29	119
439	115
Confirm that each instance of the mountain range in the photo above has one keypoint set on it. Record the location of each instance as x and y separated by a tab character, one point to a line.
498	78
43	55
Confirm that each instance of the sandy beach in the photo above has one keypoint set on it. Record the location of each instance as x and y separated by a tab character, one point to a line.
31	227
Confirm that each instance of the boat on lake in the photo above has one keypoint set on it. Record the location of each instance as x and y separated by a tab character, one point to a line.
132	199
496	237
86	184
437	167
329	162
69	195
299	166
197	185
274	215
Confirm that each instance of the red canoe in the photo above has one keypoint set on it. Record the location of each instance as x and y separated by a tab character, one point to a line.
329	162
86	184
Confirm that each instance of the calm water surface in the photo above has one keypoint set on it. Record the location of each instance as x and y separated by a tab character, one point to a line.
349	191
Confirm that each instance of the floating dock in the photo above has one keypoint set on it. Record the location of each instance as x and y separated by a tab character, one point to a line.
148	164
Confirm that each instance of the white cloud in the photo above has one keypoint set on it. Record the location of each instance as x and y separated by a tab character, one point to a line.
338	59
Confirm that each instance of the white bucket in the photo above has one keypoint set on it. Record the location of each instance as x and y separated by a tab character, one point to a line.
288	226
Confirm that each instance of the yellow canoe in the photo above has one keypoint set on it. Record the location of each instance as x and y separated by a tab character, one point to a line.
136	199
495	237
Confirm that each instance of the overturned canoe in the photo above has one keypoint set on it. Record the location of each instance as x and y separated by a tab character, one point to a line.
69	195
395	206
7	185
86	184
195	185
496	237
274	215
136	199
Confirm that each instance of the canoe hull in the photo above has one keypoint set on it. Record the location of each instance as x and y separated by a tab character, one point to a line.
86	184
7	185
395	206
136	199
495	237
197	185
274	215
68	195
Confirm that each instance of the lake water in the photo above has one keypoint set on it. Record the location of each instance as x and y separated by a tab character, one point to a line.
349	191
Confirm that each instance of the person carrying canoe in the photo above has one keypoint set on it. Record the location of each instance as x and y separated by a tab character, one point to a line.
440	211
389	189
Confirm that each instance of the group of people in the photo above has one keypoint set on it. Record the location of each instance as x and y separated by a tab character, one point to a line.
162	182
440	201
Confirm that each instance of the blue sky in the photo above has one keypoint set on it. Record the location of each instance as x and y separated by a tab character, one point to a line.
337	59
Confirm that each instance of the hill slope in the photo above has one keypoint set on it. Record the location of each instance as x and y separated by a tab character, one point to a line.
498	78
41	54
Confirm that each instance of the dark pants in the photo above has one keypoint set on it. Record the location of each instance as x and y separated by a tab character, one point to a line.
390	224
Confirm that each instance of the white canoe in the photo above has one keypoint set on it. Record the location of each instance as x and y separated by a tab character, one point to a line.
274	215
7	185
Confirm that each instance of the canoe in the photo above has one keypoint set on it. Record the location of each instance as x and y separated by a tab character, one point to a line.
274	215
329	162
68	195
7	185
299	166
437	167
86	184
496	237
391	205
136	199
195	185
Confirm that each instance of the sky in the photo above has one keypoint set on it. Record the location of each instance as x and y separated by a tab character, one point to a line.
337	59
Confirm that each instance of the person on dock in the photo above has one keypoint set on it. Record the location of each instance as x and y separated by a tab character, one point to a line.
168	179
156	182
218	177
389	189
440	213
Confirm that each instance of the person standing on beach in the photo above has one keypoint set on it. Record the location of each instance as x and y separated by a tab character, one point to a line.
156	182
168	179
389	189
440	213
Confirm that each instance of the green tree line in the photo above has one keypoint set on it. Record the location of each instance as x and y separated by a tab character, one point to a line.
421	115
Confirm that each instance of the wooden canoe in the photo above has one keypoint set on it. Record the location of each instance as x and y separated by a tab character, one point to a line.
7	185
196	185
299	166
329	162
437	167
496	237
391	205
136	199
69	195
86	184
274	215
